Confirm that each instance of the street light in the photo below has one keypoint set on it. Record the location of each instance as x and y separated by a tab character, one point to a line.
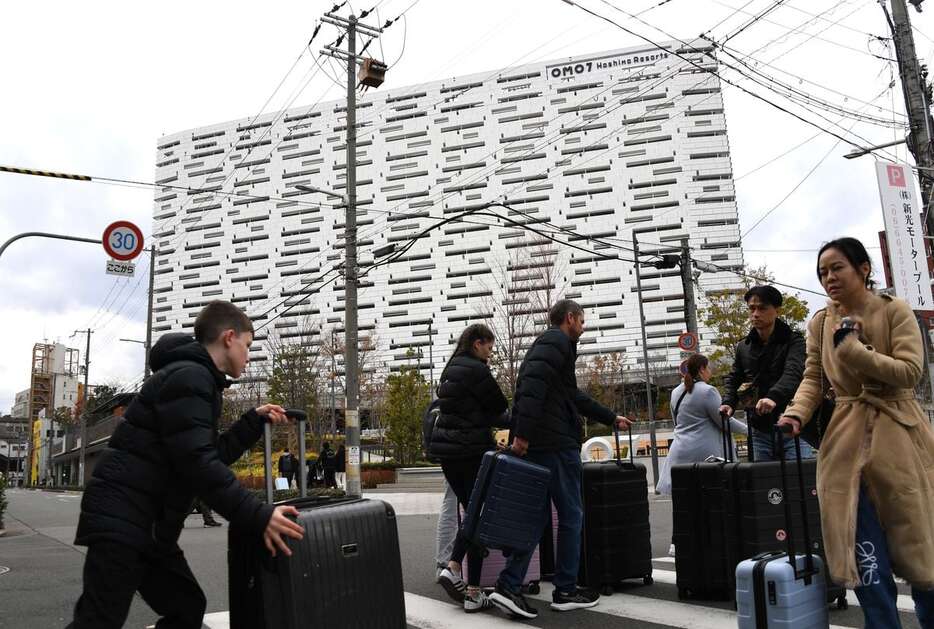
330	193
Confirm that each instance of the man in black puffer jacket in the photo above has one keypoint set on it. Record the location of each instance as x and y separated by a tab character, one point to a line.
166	452
548	428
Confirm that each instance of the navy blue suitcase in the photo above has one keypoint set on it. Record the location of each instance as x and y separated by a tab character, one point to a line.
507	505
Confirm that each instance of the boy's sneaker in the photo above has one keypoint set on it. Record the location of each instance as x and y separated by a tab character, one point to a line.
671	550
513	603
474	604
453	584
579	599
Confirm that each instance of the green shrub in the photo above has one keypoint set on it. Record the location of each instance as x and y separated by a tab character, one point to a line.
288	494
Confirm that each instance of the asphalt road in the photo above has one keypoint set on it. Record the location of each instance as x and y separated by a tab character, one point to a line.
44	577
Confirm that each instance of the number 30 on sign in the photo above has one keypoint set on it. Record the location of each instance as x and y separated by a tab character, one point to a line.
122	240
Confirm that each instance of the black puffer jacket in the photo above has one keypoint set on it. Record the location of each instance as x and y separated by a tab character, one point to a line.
166	452
471	405
548	406
775	369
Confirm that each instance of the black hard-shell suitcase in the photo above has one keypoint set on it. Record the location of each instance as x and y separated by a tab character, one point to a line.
702	538
616	540
755	510
346	572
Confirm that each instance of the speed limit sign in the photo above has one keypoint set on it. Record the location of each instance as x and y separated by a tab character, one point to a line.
123	240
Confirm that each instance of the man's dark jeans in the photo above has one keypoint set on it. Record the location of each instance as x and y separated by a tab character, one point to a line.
565	492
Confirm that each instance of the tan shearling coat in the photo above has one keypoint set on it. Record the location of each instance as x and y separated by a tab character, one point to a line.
878	436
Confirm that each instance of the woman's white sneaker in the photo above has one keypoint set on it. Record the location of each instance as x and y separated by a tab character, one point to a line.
474	604
453	584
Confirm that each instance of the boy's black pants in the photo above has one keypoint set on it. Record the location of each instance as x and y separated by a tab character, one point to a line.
113	572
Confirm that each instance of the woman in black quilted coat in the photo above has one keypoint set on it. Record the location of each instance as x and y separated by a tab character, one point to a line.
472	404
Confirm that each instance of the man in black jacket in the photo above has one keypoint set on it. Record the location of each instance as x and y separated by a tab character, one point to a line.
166	452
767	369
548	429
287	465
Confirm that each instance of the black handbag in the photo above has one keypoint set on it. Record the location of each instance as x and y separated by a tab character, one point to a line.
813	432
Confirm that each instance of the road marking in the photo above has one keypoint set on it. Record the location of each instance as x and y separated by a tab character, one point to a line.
675	614
904	603
420	611
4	569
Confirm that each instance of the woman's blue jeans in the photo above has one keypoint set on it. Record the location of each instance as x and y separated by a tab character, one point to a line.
878	595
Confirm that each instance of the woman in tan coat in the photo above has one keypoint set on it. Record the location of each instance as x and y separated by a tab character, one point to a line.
875	469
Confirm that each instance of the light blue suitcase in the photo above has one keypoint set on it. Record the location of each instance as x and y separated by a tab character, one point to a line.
771	591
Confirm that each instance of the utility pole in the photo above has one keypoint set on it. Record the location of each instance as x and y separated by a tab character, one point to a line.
650	407
351	364
84	406
917	100
152	279
431	360
687	282
333	378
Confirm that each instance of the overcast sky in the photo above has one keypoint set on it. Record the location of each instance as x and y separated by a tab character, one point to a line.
89	88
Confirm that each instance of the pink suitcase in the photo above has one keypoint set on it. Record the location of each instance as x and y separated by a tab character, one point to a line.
494	563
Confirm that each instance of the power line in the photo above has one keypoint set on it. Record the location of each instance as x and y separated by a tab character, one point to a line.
720	76
751	22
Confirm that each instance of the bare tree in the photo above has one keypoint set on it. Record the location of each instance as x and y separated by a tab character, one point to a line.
293	368
508	311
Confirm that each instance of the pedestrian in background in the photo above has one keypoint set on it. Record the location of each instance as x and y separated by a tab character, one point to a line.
327	462
875	466
206	514
767	368
287	466
471	405
698	423
341	467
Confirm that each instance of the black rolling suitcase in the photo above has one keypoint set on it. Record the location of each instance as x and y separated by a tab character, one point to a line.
755	512
616	543
702	539
346	572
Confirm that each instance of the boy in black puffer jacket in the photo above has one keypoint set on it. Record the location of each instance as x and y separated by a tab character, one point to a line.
165	452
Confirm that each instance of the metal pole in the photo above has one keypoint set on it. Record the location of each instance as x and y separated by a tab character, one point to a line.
333	379
51	470
351	417
45	235
152	279
915	92
687	282
84	410
650	408
431	360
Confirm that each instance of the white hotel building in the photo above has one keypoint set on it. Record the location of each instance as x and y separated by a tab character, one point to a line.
603	145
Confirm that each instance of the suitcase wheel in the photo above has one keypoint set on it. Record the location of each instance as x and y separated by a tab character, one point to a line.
650	581
842	603
607	589
534	588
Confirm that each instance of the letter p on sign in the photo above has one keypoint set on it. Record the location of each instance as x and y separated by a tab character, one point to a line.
896	176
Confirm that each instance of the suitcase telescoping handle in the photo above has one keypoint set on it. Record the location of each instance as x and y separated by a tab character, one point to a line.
619	460
300	418
809	571
726	438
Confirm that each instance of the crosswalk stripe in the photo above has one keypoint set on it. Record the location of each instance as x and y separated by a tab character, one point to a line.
905	603
428	613
420	611
671	613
